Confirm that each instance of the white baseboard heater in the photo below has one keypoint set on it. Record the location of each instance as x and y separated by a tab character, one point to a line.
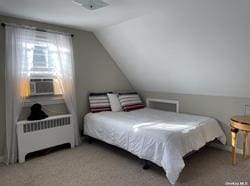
41	134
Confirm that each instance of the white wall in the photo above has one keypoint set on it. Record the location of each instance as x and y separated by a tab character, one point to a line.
219	107
196	51
193	47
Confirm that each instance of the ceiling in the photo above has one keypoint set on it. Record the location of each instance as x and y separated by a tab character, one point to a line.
191	47
67	13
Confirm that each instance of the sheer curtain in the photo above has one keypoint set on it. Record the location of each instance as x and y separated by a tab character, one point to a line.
16	76
20	44
65	72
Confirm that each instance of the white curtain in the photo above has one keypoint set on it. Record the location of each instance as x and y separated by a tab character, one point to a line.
15	78
66	74
20	45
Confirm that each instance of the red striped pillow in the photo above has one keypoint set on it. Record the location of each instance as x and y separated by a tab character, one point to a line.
99	102
130	101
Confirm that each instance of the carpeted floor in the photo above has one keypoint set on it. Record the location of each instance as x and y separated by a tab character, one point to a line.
103	165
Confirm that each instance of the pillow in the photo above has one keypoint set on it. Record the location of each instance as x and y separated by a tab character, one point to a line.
115	103
130	101
99	102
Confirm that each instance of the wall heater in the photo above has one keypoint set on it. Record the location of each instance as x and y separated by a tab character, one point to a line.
41	134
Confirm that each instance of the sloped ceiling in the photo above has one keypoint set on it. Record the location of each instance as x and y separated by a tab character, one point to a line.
194	47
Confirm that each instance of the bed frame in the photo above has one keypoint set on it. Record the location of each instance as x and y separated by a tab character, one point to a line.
146	163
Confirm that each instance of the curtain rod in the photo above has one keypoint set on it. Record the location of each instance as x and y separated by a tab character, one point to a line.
35	28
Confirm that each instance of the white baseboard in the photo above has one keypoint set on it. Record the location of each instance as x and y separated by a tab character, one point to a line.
226	148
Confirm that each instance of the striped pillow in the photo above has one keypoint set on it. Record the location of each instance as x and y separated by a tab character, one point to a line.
130	101
99	102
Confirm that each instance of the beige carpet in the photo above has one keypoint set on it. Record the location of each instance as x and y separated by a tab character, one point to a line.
104	165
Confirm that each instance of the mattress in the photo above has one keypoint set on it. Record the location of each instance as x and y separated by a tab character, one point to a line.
161	137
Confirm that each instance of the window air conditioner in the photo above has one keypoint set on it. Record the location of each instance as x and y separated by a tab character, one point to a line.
41	86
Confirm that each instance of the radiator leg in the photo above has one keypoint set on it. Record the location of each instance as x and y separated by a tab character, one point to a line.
21	158
72	145
146	165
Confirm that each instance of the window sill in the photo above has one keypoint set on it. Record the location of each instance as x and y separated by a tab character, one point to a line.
43	100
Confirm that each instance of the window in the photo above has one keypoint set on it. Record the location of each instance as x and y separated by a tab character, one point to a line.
41	59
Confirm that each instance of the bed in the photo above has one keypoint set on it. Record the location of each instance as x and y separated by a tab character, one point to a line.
161	137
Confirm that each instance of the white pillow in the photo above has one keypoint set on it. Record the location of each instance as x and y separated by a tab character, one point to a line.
114	102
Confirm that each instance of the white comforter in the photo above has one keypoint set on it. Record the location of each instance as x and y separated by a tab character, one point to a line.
159	136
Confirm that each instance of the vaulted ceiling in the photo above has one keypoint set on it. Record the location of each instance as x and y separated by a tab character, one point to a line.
194	47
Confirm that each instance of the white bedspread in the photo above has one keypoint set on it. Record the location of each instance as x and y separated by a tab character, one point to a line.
159	136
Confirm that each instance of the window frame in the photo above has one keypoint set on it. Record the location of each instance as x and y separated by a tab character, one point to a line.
44	100
43	72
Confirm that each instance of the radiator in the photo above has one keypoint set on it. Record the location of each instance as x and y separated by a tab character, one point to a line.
41	134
